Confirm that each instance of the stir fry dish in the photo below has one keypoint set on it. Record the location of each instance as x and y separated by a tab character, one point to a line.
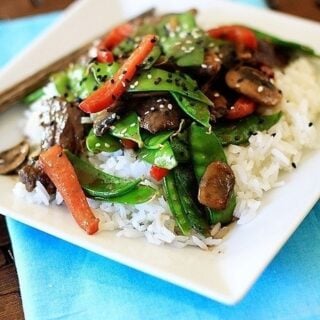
143	134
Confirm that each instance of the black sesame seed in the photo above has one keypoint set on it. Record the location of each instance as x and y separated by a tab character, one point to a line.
169	81
157	81
310	124
60	155
153	40
236	138
150	59
66	94
112	81
254	133
273	134
124	71
294	165
110	64
99	69
261	121
95	87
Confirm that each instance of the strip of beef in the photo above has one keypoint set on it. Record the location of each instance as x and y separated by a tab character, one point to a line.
158	114
62	125
31	173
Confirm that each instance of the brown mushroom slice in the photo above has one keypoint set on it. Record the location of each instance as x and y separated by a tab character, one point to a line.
216	185
13	158
220	105
211	64
253	84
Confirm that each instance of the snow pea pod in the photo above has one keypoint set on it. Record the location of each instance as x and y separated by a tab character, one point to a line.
206	148
61	82
33	96
171	193
181	39
239	132
294	46
128	128
137	195
180	146
106	143
97	183
155	141
185	180
162	157
161	80
197	110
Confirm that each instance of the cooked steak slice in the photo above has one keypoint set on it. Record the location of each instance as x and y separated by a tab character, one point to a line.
62	125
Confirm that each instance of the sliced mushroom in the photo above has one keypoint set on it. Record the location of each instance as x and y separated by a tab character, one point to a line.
158	114
216	185
253	84
13	158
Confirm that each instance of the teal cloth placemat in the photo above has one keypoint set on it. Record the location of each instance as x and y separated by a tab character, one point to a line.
61	281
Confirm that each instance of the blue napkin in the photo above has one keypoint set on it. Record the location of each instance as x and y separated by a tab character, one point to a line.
61	281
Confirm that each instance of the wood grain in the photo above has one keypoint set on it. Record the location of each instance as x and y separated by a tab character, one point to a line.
17	8
10	299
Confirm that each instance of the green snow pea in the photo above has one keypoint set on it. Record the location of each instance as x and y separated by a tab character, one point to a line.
97	183
151	58
239	132
161	80
139	194
103	71
206	148
182	43
33	96
105	143
297	47
171	193
61	82
162	157
197	110
186	182
128	128
180	146
155	141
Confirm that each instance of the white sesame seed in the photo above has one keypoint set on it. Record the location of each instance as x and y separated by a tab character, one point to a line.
237	85
132	86
204	66
107	145
217	60
132	125
188	41
98	144
161	106
121	76
112	127
136	83
113	116
159	100
260	89
147	112
170	106
232	107
149	76
152	108
216	94
124	131
123	84
1	160
118	117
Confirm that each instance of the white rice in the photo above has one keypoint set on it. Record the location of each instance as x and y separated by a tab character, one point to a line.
257	166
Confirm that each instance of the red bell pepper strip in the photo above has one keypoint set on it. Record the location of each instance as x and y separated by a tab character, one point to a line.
59	169
243	107
238	34
158	173
105	56
111	90
115	36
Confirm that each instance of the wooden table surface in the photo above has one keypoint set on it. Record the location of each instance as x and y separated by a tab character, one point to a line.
10	300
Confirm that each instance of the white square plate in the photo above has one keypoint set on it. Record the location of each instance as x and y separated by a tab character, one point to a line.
226	273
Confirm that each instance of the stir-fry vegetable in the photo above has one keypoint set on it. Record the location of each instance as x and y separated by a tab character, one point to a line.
240	132
205	149
107	94
105	143
59	169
